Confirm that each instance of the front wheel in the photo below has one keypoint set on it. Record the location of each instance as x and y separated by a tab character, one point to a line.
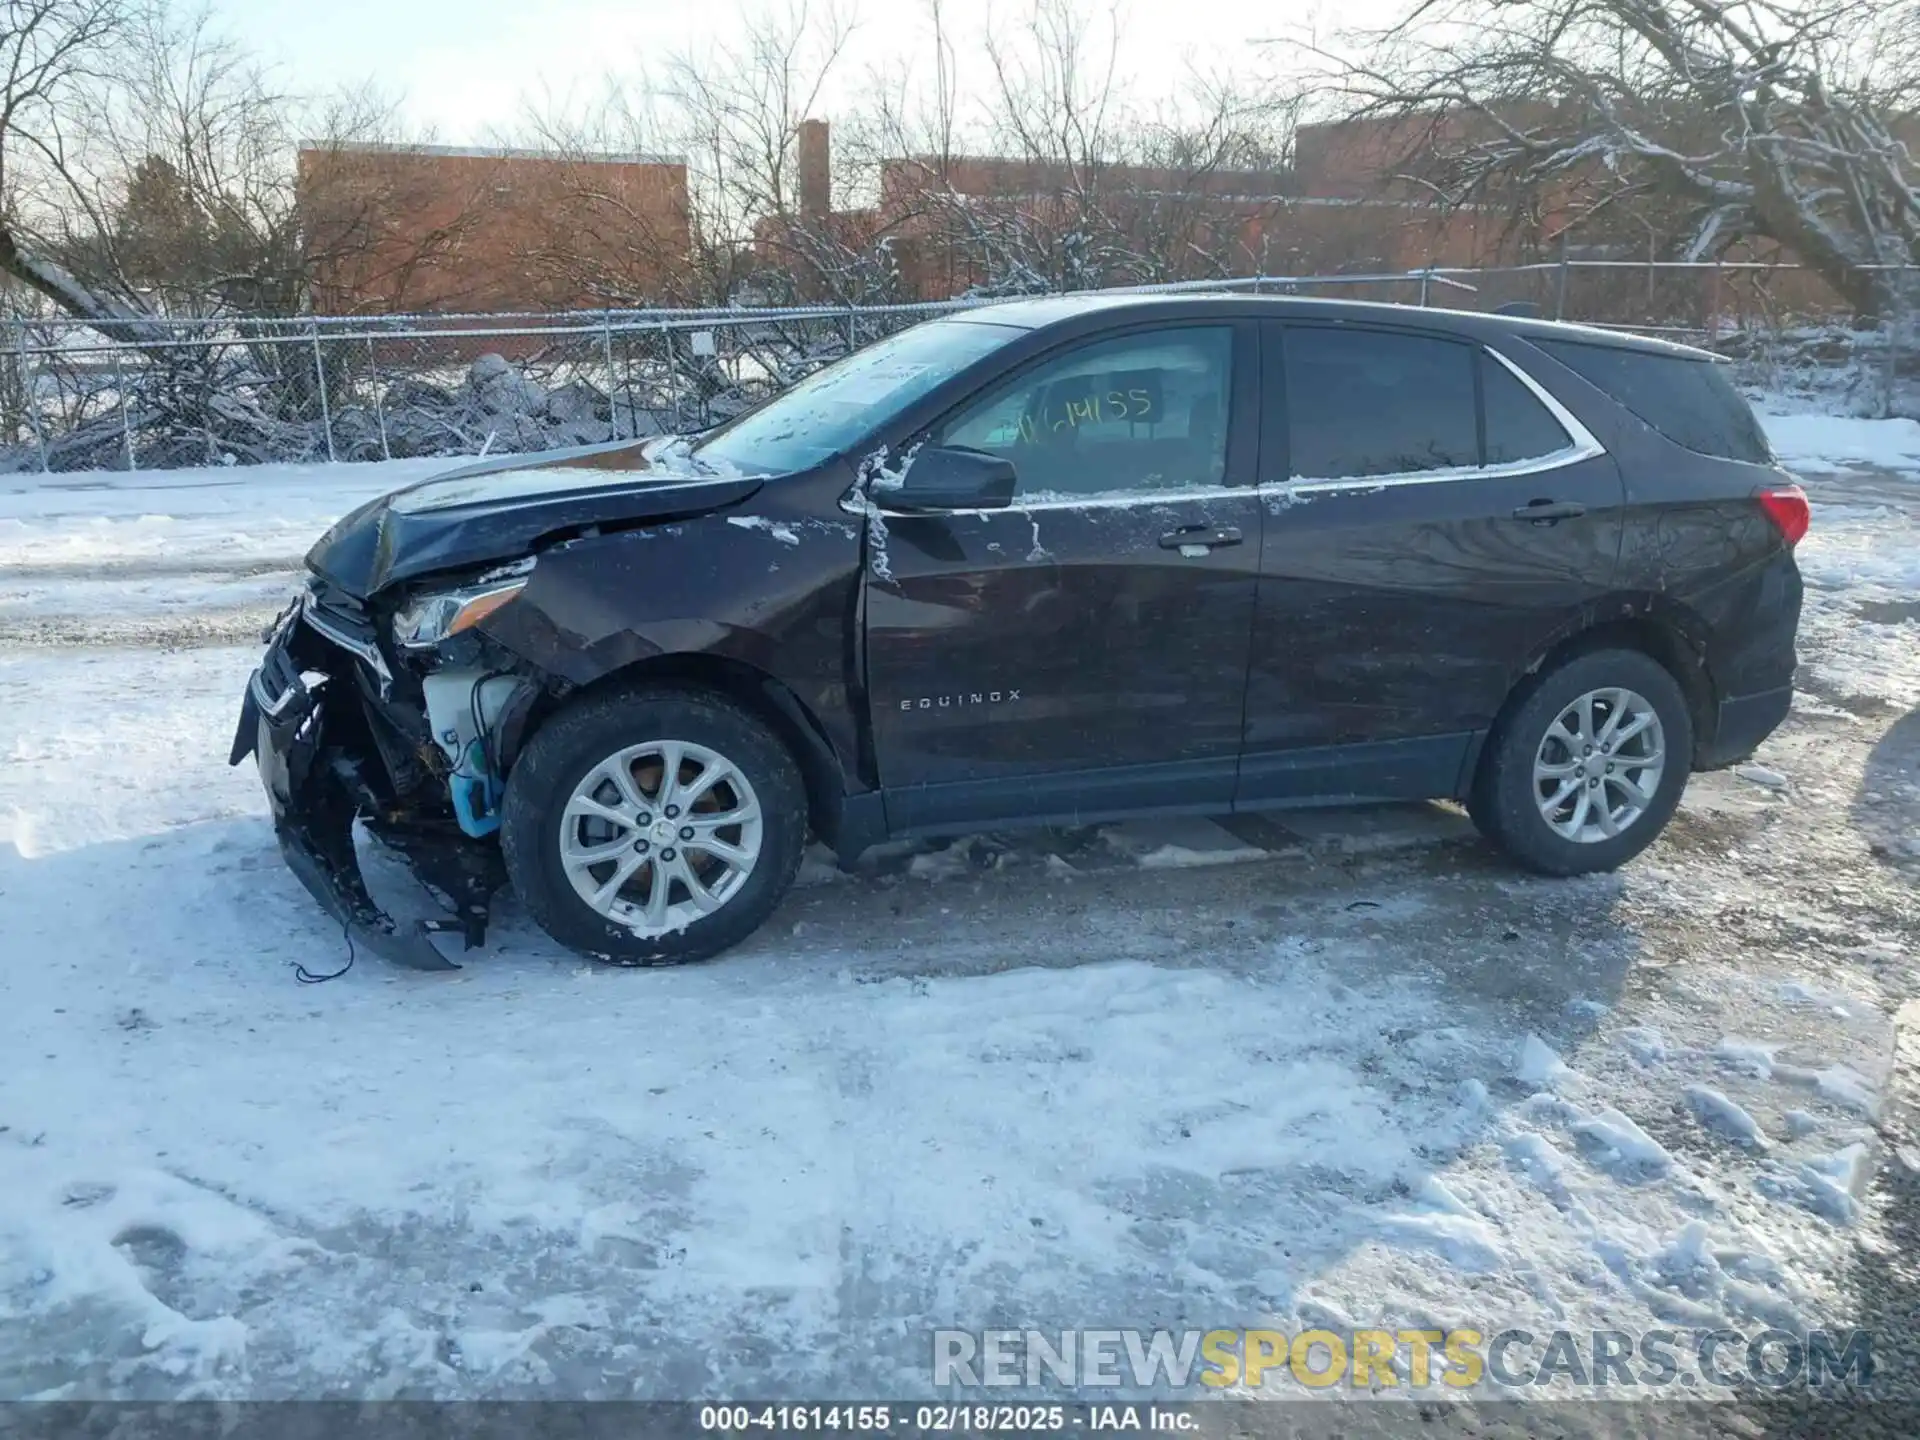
653	827
1587	768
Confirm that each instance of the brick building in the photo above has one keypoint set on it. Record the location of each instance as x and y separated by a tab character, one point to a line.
430	227
439	228
943	217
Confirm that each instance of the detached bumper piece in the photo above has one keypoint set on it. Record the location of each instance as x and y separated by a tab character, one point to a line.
317	790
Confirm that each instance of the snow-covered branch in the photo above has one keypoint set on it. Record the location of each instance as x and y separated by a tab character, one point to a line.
1711	123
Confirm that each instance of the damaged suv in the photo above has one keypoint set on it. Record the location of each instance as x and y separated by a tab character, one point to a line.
1046	562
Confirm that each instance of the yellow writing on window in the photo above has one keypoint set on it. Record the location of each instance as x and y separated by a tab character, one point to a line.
1068	415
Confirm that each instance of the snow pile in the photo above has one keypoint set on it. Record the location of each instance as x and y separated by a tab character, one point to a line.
1823	443
1178	842
496	406
1718	1113
1538	1064
1829	369
1623	1146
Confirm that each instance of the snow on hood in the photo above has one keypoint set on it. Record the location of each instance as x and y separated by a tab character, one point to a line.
553	472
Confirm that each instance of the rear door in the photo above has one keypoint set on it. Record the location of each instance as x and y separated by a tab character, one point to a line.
1084	652
1434	517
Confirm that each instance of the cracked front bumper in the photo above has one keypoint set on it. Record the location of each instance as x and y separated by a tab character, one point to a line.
316	791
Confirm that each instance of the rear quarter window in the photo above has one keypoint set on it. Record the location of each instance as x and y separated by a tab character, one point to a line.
1691	402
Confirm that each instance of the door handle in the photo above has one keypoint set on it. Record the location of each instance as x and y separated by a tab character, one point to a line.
1545	512
1205	537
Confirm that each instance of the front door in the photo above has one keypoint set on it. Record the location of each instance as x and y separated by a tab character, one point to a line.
1434	519
1083	653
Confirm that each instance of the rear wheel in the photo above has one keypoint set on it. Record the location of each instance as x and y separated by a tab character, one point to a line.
653	827
1586	768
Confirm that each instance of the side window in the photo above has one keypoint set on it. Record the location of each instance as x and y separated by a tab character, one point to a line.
1519	427
1690	401
1363	403
1140	413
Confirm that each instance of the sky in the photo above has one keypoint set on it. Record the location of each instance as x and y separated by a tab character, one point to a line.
463	67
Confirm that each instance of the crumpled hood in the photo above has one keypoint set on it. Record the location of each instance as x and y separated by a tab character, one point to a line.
499	509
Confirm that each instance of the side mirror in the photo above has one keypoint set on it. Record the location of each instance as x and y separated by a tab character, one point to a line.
949	477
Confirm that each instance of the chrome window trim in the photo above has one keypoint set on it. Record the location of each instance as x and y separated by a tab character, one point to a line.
1092	502
1584	446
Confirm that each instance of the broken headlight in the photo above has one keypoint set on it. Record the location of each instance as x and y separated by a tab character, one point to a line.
428	619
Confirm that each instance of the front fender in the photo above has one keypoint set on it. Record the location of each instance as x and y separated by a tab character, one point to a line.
771	590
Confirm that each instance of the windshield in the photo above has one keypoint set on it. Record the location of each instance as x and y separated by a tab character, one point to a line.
833	408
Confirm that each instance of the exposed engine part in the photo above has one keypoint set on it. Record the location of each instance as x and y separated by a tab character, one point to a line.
462	709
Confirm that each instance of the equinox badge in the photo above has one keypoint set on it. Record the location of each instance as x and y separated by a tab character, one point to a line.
948	702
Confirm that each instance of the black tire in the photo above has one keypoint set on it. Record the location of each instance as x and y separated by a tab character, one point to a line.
576	740
1503	802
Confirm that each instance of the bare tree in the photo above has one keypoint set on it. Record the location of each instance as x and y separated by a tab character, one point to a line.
157	175
49	49
1081	189
730	113
192	179
739	105
614	233
1055	181
378	224
1716	123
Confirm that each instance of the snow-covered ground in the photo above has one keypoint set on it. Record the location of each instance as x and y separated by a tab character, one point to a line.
1827	443
113	554
1331	1069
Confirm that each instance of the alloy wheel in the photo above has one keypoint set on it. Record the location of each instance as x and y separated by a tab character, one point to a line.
1598	768
659	835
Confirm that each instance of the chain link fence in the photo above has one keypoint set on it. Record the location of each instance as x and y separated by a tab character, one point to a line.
325	388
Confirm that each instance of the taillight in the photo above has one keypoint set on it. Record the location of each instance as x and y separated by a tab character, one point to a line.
1786	506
